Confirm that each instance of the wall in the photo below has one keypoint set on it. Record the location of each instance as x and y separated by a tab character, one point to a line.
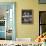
42	7
29	30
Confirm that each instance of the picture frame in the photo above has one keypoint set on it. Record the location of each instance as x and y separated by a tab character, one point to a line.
27	16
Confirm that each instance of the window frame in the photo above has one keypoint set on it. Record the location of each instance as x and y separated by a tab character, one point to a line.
39	22
14	22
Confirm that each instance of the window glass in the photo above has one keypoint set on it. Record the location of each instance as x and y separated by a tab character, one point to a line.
42	22
42	1
7	21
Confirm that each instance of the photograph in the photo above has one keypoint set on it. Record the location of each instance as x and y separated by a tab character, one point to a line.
27	16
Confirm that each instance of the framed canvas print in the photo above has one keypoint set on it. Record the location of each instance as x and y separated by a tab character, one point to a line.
7	20
27	17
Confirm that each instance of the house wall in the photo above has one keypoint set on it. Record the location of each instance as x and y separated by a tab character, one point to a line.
27	30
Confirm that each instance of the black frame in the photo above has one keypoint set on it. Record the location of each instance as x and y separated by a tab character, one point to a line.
39	21
27	18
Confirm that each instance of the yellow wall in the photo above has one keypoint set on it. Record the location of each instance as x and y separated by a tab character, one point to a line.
30	30
24	30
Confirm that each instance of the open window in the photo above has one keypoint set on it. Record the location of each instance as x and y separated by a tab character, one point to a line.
7	21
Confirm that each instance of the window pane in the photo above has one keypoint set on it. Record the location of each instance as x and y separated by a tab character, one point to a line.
9	34
2	28
42	1
43	28
2	23
2	35
40	29
42	17
7	11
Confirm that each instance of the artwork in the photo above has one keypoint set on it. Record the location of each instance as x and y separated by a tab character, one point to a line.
27	16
